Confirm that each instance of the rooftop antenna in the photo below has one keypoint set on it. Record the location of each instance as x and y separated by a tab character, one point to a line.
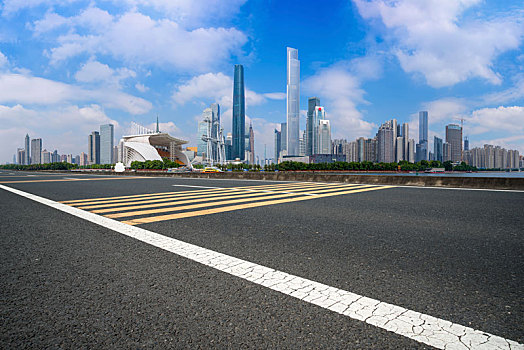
157	128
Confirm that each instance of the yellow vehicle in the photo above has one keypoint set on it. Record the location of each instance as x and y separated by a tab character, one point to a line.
212	170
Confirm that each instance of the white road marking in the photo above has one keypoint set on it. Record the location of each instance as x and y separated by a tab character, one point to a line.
30	175
196	186
420	327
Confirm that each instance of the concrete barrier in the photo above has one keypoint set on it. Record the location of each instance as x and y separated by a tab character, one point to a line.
506	183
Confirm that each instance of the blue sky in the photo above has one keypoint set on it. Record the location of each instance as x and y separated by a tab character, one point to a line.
68	66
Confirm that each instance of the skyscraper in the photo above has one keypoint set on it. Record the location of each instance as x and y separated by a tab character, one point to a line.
385	143
437	149
293	102
36	151
454	138
94	147
278	136
202	133
422	150
319	115
324	137
283	140
106	143
27	156
310	124
251	144
405	139
239	113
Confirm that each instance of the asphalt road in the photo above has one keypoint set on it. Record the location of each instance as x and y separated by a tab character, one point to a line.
68	283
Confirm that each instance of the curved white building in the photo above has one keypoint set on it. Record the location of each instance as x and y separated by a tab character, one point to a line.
153	146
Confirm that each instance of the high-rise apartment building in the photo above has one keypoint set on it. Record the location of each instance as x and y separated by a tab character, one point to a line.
93	148
107	132
302	148
437	149
36	151
293	102
46	157
310	124
386	150
454	138
20	156
27	156
55	157
239	113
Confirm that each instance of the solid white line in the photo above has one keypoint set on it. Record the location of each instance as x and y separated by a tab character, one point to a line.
423	328
198	186
458	188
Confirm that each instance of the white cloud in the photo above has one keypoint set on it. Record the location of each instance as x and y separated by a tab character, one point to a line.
433	39
217	87
96	72
67	127
20	88
139	39
340	93
510	120
13	6
3	60
141	87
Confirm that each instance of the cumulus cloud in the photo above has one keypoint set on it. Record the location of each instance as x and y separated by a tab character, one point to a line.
433	38
507	119
340	93
26	89
96	72
217	87
141	87
67	127
139	39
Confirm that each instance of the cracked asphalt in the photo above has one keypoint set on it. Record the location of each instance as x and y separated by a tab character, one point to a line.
67	283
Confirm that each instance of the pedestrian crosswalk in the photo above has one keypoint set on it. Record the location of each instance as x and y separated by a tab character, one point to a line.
155	207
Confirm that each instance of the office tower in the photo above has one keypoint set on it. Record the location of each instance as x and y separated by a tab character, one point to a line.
466	143
454	138
302	148
361	151
411	151
20	156
351	151
55	157
36	151
283	140
446	152
437	149
115	155
77	159
293	102
278	142
239	113
324	137
422	150
319	114
94	148
27	159
229	146
107	143
251	144
385	152
405	140
46	157
310	124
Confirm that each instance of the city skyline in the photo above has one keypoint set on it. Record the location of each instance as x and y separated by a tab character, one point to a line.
372	70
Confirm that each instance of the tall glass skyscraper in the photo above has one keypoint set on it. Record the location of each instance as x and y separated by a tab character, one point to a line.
310	124
422	136
454	138
293	102
36	151
239	113
106	143
94	147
